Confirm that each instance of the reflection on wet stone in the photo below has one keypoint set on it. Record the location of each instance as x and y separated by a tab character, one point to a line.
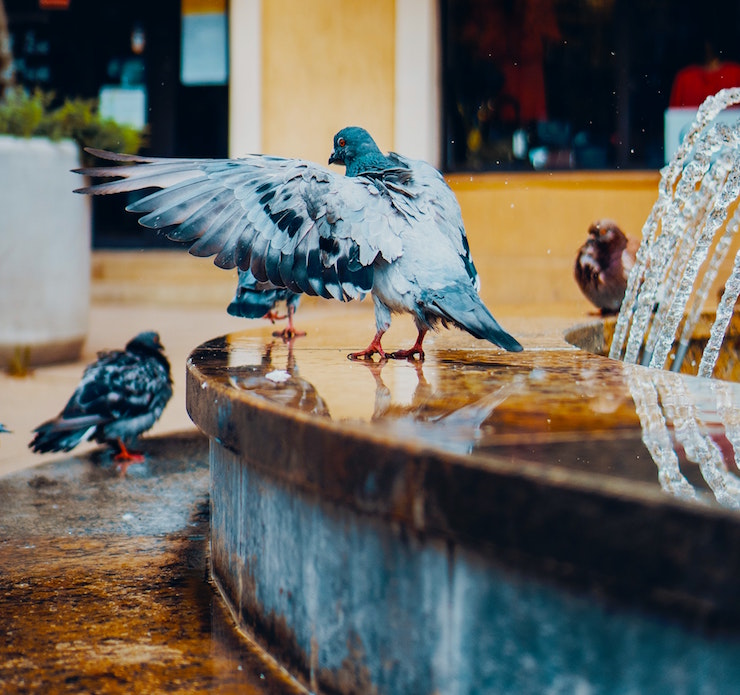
583	472
555	408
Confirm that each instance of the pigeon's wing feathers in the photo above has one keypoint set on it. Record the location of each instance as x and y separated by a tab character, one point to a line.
291	222
117	385
435	198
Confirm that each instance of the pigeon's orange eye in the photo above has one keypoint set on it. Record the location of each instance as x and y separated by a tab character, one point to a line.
341	142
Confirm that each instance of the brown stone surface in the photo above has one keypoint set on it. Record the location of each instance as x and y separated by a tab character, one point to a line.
104	585
541	459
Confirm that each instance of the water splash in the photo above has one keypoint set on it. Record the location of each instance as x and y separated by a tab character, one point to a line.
673	418
686	239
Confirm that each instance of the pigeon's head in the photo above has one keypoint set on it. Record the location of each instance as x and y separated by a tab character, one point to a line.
350	144
605	232
147	341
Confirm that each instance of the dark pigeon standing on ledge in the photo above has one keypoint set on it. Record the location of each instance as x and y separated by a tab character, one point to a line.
391	226
121	395
255	299
603	265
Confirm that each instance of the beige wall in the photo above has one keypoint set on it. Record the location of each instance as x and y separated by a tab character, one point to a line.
301	70
525	229
326	64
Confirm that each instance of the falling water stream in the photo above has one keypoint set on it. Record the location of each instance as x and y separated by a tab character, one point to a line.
686	239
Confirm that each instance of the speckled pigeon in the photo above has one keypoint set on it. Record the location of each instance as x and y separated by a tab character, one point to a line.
121	395
391	226
255	299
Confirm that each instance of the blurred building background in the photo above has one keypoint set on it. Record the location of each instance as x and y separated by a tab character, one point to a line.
545	114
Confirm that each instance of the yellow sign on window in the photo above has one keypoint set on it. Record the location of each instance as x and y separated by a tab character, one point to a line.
202	6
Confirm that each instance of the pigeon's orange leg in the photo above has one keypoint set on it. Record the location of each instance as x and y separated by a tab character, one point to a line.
415	349
124	458
273	316
289	332
373	349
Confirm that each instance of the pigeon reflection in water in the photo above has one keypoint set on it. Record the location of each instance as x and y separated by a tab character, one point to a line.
282	386
457	430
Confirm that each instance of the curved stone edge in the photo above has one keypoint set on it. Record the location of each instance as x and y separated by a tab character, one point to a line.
587	531
352	603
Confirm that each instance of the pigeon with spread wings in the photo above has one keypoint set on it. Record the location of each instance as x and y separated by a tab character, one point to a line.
391	226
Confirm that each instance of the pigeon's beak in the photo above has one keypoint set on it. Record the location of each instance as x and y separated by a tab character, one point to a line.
336	158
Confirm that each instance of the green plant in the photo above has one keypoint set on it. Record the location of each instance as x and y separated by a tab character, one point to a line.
26	114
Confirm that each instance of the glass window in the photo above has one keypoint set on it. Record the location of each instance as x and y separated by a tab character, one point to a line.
127	53
577	84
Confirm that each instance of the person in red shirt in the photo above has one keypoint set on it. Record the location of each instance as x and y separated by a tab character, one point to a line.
694	83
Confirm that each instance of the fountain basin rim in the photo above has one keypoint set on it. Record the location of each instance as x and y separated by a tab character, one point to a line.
338	458
588	532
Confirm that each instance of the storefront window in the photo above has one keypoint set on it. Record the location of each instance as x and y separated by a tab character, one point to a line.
127	54
575	84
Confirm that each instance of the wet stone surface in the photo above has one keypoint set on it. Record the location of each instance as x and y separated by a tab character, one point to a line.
609	477
557	408
481	505
104	583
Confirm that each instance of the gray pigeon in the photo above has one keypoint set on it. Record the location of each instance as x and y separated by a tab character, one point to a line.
255	299
391	226
3	428
121	395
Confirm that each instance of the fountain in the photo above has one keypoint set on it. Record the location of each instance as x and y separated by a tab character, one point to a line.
698	190
545	521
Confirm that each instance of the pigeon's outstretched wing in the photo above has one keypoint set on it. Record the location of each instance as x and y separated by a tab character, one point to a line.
290	222
391	226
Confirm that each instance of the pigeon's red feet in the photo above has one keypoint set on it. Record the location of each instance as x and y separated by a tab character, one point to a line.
273	316
407	354
290	331
124	458
415	349
374	348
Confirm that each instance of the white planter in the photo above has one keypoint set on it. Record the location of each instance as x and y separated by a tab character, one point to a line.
44	252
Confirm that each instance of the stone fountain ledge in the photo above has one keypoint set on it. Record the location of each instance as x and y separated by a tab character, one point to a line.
431	528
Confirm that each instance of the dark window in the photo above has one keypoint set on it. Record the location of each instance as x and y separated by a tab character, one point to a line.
572	84
92	43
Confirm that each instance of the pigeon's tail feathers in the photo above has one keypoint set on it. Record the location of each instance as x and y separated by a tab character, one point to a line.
464	308
59	435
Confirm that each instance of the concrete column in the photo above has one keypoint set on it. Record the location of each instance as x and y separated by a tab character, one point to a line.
417	90
245	83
